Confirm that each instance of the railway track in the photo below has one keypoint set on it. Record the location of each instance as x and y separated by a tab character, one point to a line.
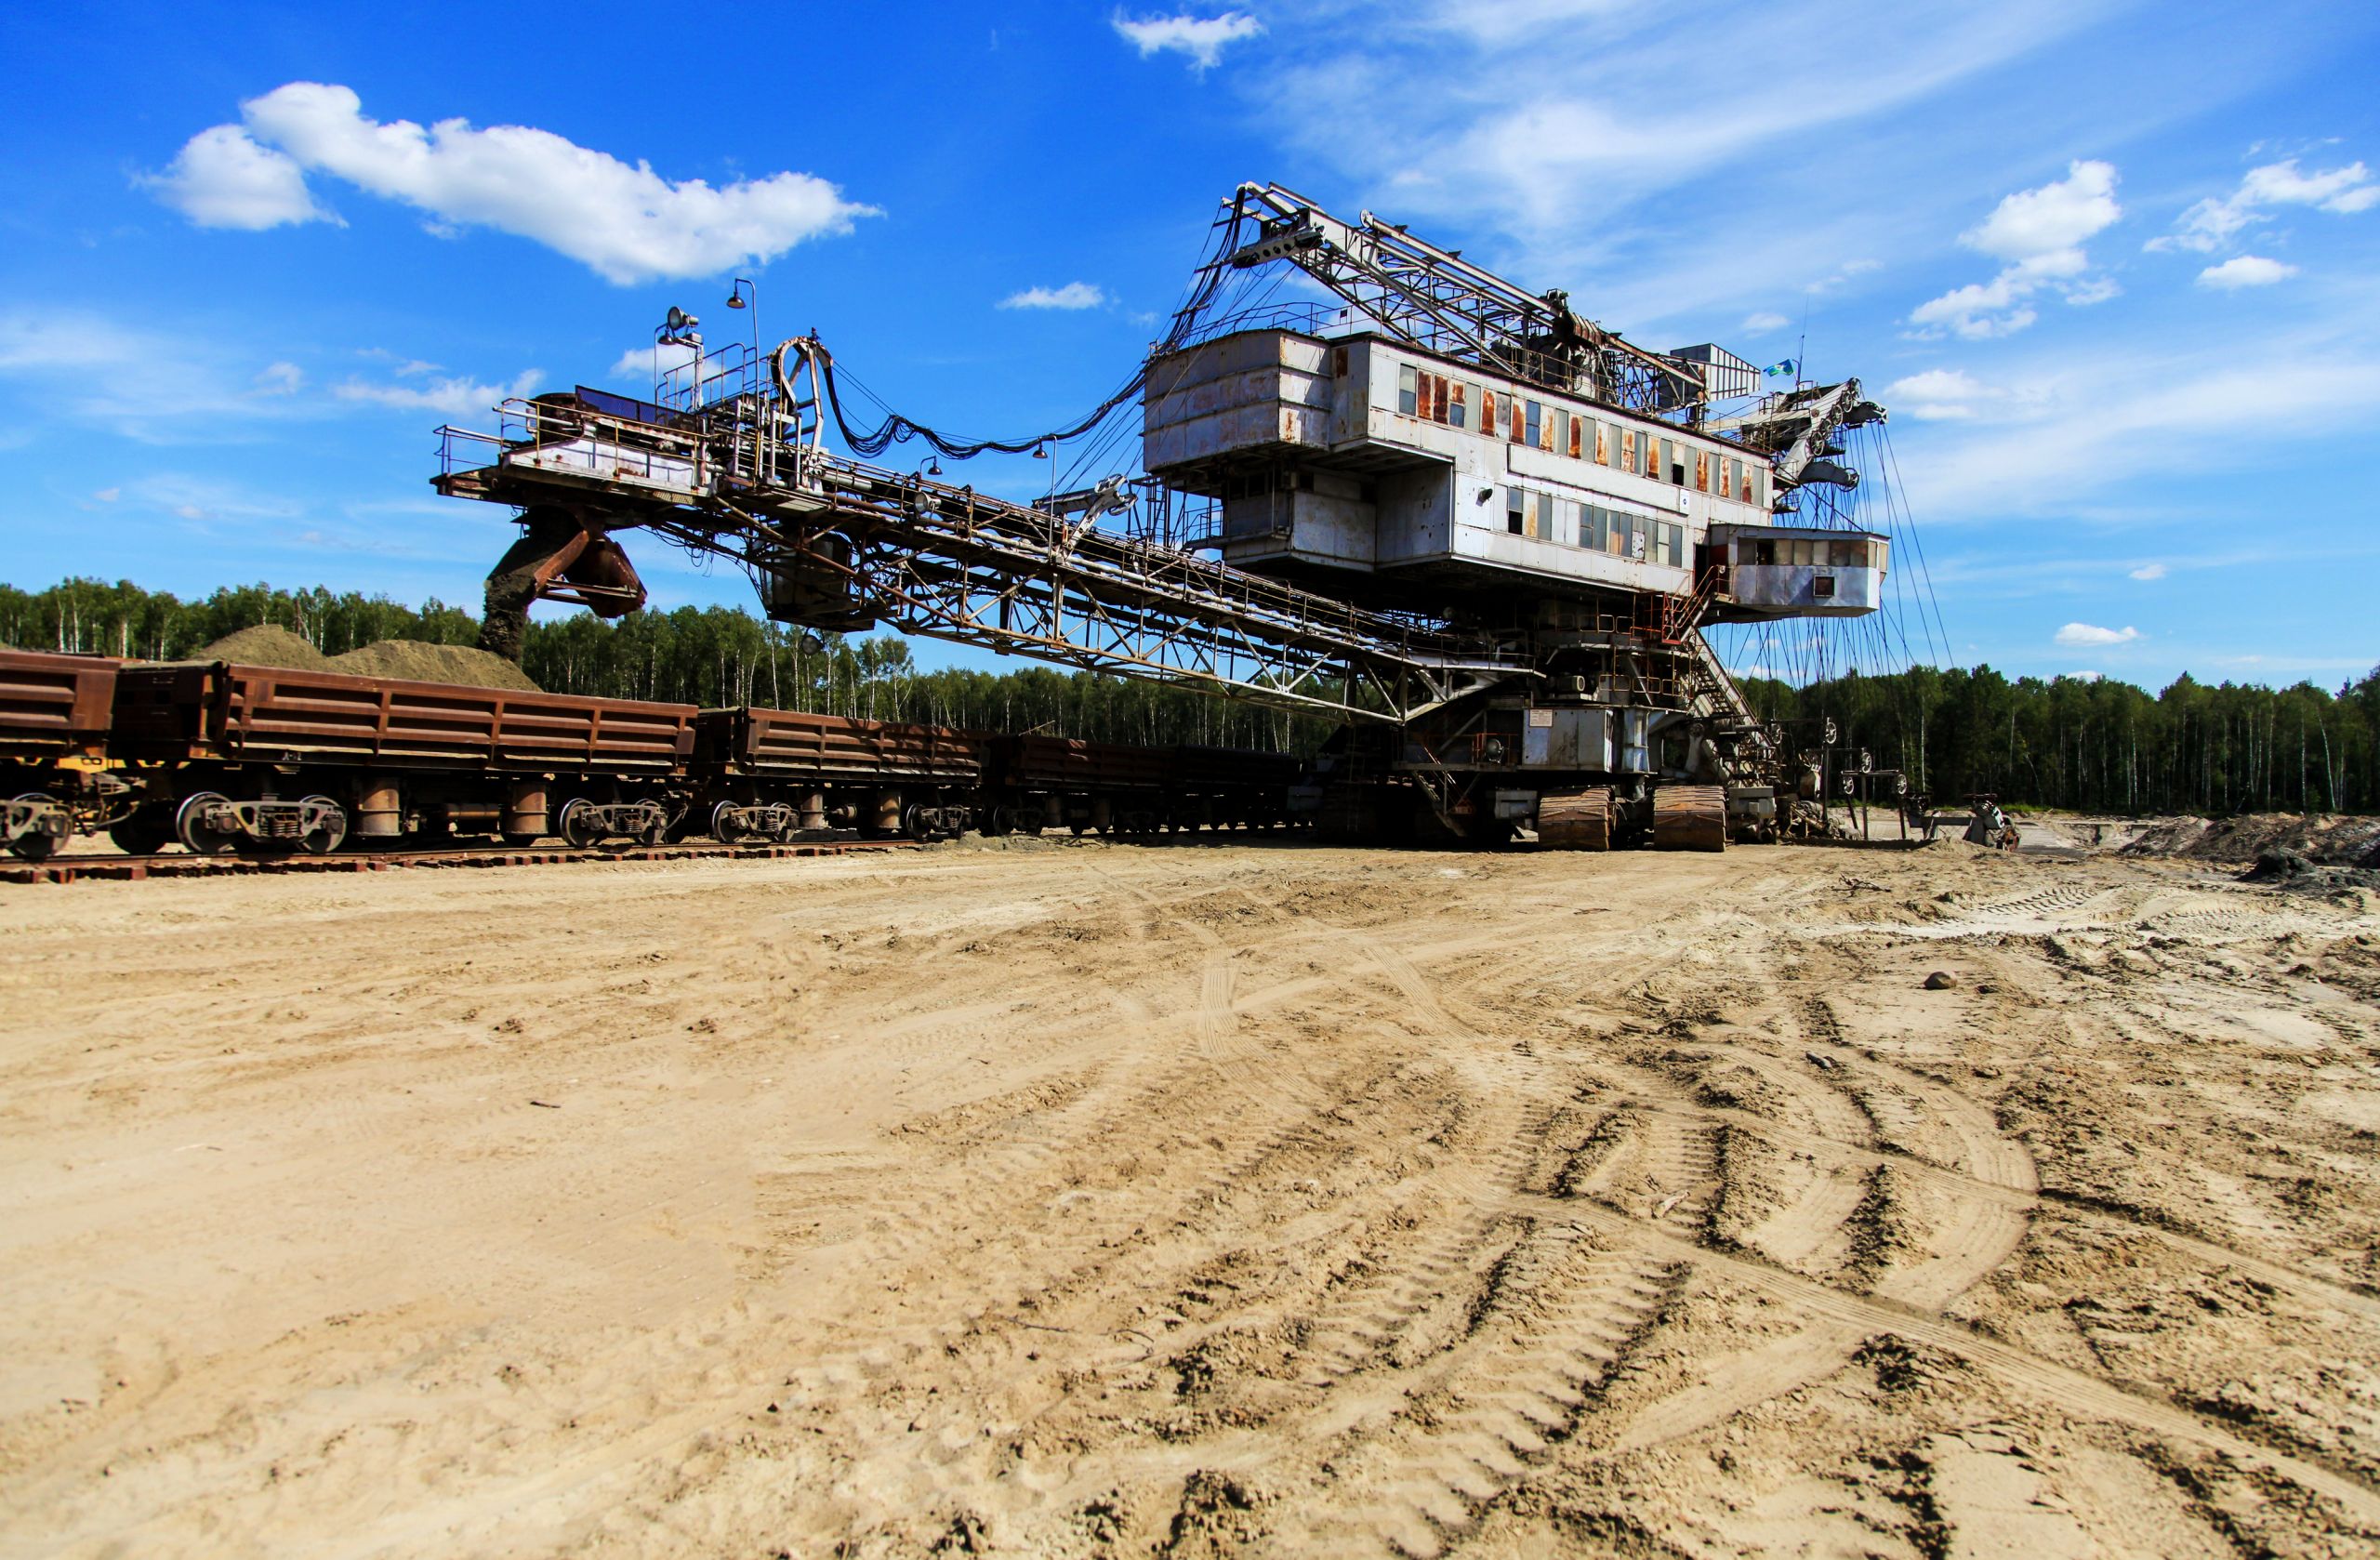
69	869
177	864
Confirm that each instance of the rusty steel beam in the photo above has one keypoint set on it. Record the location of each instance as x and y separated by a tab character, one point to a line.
948	562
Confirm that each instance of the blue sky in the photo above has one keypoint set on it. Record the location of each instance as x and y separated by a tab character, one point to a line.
2113	266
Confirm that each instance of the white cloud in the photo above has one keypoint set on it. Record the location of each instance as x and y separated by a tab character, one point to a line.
1074	295
452	397
1843	273
2076	425
2041	233
222	179
2211	224
1201	38
1761	325
2245	271
1941	395
402	367
2075	634
639	365
626	223
2086	676
2149	571
1550	122
2057	215
280	378
107	494
156	387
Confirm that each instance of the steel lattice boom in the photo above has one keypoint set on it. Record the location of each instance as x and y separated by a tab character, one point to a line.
861	543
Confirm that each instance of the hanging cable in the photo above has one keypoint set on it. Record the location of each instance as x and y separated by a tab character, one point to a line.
895	428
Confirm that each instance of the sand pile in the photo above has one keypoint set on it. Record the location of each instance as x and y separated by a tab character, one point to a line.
1353	1173
2322	838
423	662
266	645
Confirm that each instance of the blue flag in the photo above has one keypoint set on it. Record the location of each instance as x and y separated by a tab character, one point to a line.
1785	367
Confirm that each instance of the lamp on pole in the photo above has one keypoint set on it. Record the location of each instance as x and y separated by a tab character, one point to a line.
746	294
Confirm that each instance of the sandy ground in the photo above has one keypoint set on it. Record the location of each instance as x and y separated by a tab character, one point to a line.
1102	1201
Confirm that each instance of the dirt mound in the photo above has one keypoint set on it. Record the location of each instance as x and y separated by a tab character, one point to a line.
2322	838
424	662
266	645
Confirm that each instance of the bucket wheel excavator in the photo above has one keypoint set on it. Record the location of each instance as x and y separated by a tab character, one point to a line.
1484	531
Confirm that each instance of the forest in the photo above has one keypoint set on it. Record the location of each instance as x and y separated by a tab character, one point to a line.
2083	745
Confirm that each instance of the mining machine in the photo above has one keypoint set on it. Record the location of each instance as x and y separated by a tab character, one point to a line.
1483	531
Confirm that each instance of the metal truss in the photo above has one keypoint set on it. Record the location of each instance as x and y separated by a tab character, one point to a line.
1437	300
1794	428
948	562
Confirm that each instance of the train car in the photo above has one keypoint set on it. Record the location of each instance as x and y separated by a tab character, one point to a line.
1054	782
1224	787
272	757
1035	780
780	773
226	755
55	715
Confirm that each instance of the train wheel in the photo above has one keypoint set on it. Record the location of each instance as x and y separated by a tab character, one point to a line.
722	829
324	826
35	844
573	825
143	834
191	828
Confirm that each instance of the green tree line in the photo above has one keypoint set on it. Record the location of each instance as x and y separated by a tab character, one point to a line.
2099	746
703	656
2081	744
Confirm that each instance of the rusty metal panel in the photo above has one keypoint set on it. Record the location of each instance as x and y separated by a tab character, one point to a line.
53	704
1060	763
1222	769
796	744
270	713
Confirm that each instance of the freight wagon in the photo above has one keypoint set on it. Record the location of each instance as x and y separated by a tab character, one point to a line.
779	773
55	713
221	756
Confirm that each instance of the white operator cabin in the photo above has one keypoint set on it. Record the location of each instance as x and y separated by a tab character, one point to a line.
1357	455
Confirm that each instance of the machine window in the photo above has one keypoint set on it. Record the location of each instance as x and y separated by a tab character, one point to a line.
1486	411
1455	408
1408	383
1515	511
1603	443
1577	436
1702	471
1532	422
